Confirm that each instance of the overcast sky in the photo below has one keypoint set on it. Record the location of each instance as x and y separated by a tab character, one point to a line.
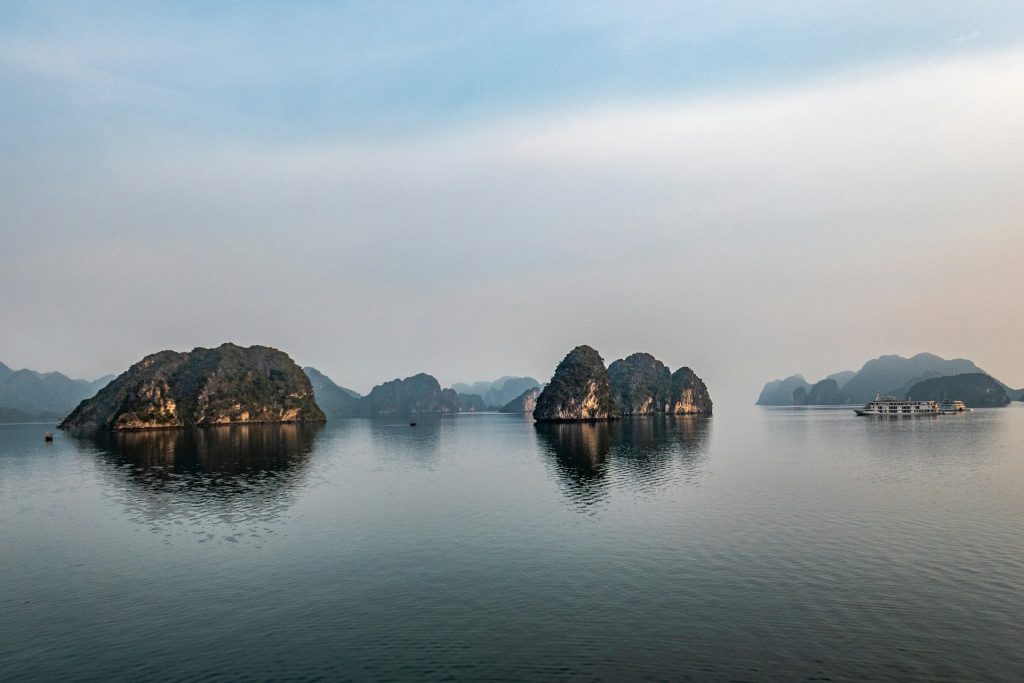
471	189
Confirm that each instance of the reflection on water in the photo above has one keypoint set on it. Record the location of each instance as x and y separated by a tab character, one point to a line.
580	450
656	450
238	477
642	452
227	450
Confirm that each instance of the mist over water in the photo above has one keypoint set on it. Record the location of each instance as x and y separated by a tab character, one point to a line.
758	544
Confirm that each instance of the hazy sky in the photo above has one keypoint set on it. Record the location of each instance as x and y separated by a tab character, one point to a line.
471	189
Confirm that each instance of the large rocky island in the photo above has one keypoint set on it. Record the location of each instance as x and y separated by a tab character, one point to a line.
583	389
226	385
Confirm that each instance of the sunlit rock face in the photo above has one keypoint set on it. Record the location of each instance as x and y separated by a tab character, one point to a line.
526	402
641	385
638	385
689	394
226	385
579	390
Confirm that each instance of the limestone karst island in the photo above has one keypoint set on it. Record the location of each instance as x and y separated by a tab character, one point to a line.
231	384
583	389
226	385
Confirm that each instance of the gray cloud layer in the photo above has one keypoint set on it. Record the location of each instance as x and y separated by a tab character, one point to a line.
748	236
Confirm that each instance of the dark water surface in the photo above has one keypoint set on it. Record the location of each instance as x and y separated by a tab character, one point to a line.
762	544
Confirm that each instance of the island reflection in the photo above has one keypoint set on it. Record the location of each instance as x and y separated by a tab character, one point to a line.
229	481
636	453
224	450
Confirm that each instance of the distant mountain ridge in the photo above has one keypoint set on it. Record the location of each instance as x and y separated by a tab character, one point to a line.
29	396
977	390
498	393
336	401
420	393
888	375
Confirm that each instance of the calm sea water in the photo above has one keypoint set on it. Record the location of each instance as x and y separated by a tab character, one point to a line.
762	544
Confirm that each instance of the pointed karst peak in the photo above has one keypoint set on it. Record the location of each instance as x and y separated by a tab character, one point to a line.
637	385
579	390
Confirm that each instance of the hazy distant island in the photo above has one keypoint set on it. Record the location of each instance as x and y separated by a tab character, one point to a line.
583	389
525	402
418	394
499	393
977	390
890	376
30	396
226	385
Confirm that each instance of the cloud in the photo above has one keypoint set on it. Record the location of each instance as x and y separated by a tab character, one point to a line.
965	38
747	234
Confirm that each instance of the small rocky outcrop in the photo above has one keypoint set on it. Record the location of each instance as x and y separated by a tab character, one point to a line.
417	394
526	402
689	394
226	385
640	384
579	390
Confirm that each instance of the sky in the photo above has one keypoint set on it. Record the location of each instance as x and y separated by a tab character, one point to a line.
470	189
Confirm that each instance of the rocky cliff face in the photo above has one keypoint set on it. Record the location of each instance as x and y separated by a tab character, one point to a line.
417	394
226	385
641	385
526	402
582	389
689	394
579	390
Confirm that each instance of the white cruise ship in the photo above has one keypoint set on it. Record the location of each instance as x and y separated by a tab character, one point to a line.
890	406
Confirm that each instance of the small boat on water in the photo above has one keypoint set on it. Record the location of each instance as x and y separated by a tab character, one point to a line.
890	406
48	436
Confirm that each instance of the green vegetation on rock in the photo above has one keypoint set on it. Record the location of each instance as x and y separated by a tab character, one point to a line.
579	390
640	384
689	395
226	385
